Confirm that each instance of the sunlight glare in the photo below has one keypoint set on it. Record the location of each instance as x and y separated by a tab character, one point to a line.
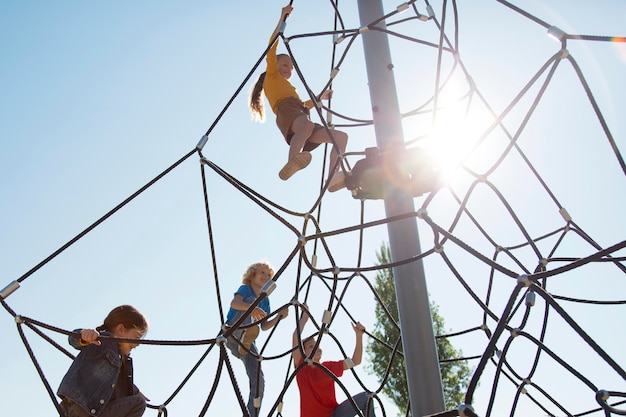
456	128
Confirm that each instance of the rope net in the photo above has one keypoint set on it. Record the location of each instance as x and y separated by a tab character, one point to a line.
517	275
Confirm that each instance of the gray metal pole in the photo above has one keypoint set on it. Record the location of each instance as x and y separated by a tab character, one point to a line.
418	340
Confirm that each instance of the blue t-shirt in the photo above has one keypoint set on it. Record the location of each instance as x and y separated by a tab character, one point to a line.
248	296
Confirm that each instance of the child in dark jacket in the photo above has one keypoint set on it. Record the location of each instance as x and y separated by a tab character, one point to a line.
100	380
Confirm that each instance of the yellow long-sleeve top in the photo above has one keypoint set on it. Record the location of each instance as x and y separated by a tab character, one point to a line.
276	87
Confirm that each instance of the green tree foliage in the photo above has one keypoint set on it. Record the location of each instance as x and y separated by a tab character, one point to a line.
454	374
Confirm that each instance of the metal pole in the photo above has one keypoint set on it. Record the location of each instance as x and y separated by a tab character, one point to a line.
418	339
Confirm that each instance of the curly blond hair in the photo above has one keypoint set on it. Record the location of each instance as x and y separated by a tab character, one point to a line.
252	269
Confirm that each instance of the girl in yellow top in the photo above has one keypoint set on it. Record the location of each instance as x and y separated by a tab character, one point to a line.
292	115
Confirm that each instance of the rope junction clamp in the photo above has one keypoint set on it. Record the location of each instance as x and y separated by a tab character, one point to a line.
523	279
326	318
402	7
202	142
556	33
338	39
431	12
268	287
8	290
466	410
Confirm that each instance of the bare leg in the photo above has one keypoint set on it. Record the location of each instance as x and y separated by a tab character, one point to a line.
341	139
336	179
302	129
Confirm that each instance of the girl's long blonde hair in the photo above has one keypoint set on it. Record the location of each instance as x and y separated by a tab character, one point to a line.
256	105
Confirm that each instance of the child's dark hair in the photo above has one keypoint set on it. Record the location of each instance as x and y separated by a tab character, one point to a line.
127	315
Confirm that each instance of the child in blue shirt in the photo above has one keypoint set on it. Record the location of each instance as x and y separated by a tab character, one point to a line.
241	343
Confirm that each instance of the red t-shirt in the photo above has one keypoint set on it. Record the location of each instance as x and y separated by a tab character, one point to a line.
317	389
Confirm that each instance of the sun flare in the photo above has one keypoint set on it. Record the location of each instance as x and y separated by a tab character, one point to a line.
454	131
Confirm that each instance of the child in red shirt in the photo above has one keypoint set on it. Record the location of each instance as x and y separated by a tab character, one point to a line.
317	388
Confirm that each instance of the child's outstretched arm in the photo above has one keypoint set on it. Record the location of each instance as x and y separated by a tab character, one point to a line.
297	356
286	11
357	356
280	314
238	304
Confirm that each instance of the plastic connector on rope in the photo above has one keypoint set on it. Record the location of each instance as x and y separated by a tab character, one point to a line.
8	290
334	73
202	142
348	364
430	11
530	299
523	279
563	212
556	33
602	395
326	318
162	411
402	7
268	287
364	29
282	27
525	382
466	410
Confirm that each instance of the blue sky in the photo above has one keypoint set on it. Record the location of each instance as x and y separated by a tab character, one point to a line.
99	98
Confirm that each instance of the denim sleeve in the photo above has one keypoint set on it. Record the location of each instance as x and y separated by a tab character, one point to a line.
73	341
